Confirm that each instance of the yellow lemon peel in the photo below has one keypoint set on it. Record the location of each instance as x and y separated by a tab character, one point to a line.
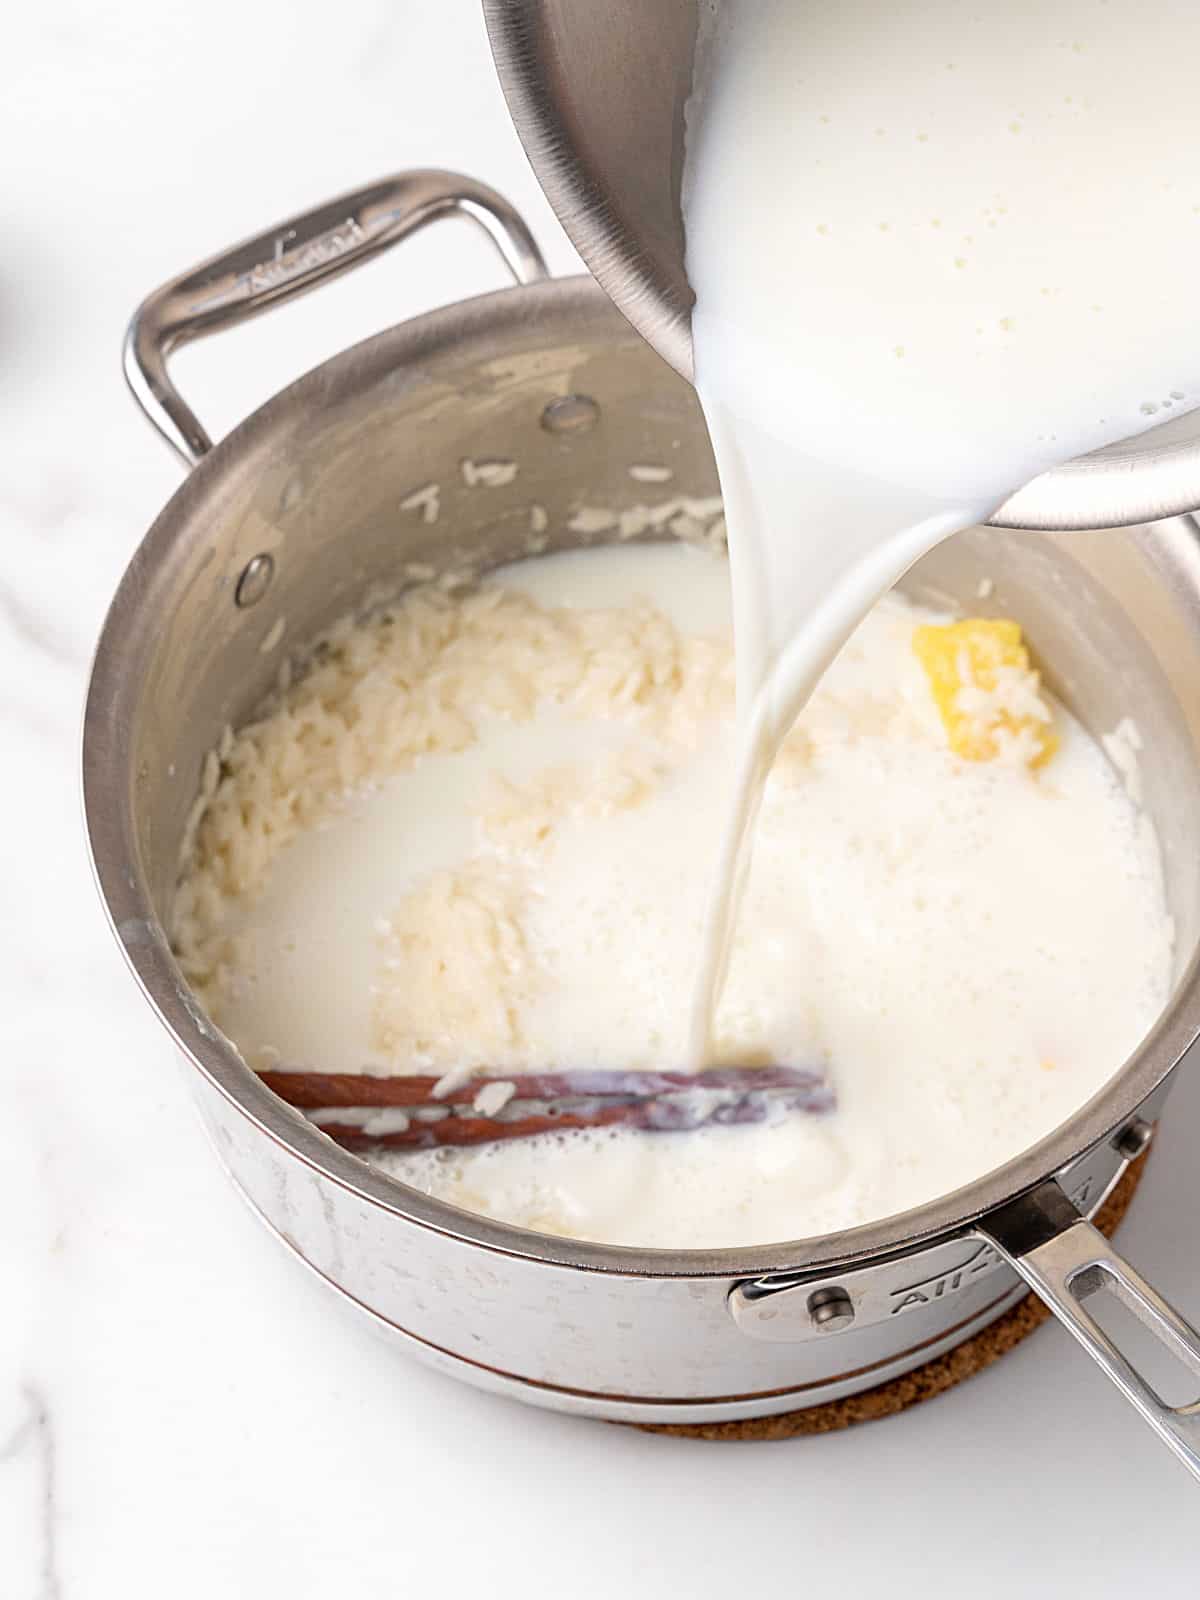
986	692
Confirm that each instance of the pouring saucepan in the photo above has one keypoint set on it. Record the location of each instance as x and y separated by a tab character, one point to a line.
598	95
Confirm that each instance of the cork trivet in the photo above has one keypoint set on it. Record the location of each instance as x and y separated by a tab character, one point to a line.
934	1378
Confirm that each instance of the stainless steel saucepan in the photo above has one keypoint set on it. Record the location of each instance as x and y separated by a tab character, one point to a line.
299	516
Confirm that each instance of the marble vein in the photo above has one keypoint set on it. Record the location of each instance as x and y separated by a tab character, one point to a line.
33	629
36	1435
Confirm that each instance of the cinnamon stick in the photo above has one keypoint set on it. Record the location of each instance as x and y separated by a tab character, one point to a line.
657	1102
326	1090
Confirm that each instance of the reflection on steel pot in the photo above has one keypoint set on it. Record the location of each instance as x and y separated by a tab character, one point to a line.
300	515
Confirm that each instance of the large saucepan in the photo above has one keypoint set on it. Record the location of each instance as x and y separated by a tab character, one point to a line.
297	517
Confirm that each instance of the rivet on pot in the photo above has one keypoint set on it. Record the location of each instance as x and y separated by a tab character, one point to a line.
571	413
1133	1138
830	1309
254	581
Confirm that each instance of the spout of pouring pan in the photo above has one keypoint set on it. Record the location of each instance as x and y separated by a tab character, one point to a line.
598	95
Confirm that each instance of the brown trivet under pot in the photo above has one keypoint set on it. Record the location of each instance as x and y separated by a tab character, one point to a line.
934	1378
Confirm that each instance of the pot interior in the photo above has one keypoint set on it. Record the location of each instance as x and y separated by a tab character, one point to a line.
330	486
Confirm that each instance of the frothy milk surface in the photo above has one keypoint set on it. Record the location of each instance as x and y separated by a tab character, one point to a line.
967	949
936	248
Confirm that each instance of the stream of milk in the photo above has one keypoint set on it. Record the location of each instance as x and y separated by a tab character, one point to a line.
937	247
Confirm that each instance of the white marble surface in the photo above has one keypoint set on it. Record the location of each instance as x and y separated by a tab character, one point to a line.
181	1412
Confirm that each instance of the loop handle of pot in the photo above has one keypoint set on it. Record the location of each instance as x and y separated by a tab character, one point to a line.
288	260
1069	1263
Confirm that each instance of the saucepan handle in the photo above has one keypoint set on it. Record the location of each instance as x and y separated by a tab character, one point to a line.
288	260
1068	1263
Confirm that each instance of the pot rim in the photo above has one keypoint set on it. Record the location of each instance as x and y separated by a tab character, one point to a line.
107	772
